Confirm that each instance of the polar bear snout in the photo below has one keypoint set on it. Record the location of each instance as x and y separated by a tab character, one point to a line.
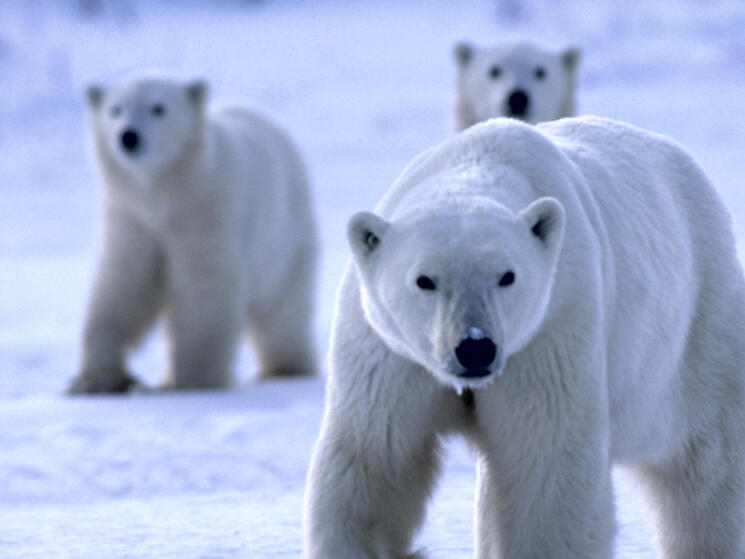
130	140
518	103
476	354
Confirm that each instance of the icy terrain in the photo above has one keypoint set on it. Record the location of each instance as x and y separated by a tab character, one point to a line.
363	86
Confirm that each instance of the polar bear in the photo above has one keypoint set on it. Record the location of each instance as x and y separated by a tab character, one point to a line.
568	297
517	79
208	218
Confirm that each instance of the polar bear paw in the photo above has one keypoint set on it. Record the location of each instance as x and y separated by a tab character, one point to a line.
105	380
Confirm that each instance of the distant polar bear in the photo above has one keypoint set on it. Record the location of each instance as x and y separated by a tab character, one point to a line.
517	79
208	217
577	284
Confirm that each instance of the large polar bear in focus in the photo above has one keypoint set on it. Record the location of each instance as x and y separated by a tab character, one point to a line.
566	296
514	78
208	218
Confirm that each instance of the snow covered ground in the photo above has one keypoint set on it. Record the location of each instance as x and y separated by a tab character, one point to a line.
363	86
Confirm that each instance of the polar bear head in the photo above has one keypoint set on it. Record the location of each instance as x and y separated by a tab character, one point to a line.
458	289
514	79
144	124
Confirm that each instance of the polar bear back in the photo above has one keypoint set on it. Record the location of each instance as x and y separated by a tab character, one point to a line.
672	276
268	158
270	201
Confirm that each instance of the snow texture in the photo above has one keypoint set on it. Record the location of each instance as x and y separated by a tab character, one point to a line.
363	87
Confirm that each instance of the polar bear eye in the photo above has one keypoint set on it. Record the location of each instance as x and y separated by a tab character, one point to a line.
539	73
495	72
158	109
426	283
508	278
115	111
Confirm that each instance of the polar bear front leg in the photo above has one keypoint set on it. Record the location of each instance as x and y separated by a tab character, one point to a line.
127	296
545	491
203	320
569	518
374	465
203	334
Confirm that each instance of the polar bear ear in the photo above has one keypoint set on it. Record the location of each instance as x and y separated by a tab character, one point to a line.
197	91
571	57
364	231
463	53
94	94
545	218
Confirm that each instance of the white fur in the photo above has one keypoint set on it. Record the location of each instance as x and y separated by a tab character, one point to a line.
209	221
487	77
621	341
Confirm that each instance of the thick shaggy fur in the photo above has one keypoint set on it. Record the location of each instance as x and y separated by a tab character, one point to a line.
208	221
619	339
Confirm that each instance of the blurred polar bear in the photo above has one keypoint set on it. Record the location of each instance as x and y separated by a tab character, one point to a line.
208	219
516	79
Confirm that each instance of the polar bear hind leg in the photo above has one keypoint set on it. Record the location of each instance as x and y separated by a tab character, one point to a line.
282	334
699	490
699	494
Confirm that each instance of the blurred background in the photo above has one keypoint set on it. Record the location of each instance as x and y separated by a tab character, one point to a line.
362	87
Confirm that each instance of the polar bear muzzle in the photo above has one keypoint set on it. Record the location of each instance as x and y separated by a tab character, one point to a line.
475	355
130	140
518	104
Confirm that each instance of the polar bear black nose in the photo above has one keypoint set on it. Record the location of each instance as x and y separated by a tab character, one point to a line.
518	102
476	353
130	140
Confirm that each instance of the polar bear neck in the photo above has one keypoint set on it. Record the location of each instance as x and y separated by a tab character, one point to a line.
494	159
465	187
149	195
